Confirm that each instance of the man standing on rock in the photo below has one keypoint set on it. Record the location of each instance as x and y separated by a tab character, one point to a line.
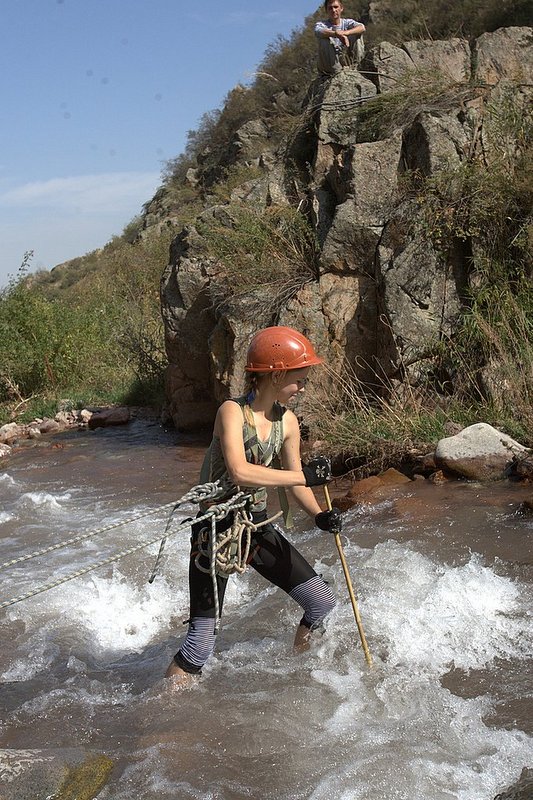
336	37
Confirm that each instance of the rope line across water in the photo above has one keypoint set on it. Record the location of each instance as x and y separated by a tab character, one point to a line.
209	490
203	492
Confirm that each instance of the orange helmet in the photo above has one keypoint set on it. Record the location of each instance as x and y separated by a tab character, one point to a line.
280	348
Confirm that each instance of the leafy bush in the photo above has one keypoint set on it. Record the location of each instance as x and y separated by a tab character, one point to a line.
52	345
100	335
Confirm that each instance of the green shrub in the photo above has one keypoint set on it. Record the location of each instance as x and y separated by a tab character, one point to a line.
50	344
100	335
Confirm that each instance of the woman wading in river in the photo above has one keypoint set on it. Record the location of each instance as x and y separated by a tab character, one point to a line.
250	433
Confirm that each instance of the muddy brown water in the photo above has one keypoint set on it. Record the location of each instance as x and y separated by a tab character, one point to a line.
443	576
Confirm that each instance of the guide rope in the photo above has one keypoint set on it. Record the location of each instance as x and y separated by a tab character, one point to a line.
200	493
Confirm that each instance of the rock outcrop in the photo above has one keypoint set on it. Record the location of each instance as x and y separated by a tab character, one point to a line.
383	291
67	773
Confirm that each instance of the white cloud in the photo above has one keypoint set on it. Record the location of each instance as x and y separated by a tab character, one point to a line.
63	218
83	193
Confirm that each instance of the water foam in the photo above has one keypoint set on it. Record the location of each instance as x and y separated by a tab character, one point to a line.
52	502
432	616
110	615
40	657
393	732
396	731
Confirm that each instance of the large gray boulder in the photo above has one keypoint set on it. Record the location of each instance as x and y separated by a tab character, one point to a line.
340	98
388	66
504	56
450	57
10	432
419	296
479	452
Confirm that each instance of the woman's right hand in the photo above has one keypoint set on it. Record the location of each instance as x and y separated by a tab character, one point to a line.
317	471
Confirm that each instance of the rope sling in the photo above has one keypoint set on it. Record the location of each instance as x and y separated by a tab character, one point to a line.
228	551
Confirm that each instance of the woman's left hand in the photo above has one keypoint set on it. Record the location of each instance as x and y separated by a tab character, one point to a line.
329	520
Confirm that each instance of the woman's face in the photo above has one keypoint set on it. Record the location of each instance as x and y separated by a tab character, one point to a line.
335	10
289	384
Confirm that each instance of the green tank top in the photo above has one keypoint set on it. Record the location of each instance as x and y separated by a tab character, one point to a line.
256	452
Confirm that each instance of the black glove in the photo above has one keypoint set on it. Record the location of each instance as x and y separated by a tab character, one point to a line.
317	472
329	521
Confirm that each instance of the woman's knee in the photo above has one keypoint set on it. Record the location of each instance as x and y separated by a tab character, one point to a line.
316	599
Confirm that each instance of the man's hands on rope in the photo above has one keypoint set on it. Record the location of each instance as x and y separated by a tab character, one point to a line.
317	472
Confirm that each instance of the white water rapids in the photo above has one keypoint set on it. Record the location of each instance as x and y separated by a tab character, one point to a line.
444	584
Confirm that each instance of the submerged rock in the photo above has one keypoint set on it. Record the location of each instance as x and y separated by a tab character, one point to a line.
359	491
523	468
521	790
70	774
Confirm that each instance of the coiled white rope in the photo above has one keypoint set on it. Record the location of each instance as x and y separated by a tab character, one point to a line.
224	550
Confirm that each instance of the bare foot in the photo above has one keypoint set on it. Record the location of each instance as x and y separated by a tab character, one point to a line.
302	640
180	678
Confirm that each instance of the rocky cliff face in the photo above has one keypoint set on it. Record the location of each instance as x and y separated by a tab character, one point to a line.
384	289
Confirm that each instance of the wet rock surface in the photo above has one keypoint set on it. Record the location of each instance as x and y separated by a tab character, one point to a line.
59	774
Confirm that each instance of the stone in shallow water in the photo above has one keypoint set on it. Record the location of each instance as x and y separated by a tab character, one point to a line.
479	452
62	774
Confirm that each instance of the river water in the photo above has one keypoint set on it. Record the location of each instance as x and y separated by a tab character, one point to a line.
444	582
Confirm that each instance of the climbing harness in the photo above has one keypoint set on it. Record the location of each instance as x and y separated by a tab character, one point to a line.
207	492
227	551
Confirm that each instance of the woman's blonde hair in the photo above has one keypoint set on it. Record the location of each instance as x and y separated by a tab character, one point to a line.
252	380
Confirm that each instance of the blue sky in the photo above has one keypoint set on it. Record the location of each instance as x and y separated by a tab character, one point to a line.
96	95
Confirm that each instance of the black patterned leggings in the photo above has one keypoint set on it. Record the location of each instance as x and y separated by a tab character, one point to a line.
275	558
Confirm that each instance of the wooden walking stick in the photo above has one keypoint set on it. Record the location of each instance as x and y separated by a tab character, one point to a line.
349	585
